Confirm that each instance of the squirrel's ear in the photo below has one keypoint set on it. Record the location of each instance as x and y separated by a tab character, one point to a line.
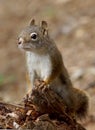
44	24
32	22
44	27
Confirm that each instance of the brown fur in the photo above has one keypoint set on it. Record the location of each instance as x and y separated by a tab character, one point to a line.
76	100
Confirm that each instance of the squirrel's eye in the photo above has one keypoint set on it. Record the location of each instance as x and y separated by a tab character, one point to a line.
33	36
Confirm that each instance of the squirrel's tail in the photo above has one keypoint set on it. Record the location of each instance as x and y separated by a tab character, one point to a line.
83	105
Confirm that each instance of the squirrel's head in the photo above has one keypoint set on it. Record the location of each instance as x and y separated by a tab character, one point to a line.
31	38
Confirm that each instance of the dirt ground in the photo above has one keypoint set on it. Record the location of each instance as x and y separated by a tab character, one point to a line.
71	25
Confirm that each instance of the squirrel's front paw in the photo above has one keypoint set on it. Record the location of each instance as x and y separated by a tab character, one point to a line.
43	85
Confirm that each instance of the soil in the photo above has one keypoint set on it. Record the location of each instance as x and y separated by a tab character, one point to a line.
71	25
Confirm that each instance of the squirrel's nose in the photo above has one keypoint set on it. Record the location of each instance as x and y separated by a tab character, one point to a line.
21	40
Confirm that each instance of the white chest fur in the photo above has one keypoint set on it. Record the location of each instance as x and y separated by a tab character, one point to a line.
41	64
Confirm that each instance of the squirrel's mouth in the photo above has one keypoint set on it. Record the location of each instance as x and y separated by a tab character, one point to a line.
26	47
22	47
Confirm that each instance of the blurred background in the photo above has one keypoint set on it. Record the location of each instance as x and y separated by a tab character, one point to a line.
71	25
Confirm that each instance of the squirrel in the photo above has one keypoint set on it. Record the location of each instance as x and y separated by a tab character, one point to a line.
44	61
